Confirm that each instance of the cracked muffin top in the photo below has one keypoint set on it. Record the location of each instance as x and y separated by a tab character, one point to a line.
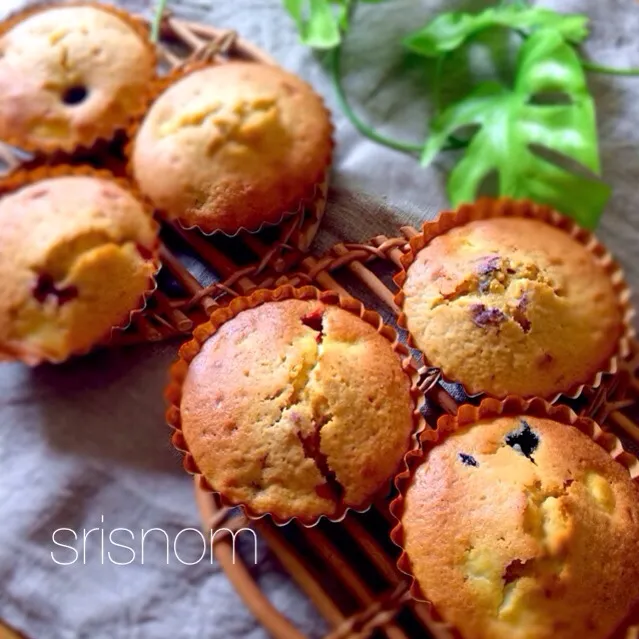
76	257
70	75
298	409
524	528
236	144
512	305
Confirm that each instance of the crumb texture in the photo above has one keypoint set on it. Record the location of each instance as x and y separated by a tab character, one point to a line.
537	539
511	305
295	407
70	75
74	262
237	145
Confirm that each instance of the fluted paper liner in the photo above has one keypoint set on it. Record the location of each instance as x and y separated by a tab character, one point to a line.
202	333
68	146
317	186
487	208
468	414
24	177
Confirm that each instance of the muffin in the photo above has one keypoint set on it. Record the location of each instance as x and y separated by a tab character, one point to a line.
523	528
70	74
512	305
297	408
237	145
77	255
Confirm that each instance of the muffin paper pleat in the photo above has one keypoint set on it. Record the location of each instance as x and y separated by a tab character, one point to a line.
25	177
488	208
202	333
316	188
139	26
468	414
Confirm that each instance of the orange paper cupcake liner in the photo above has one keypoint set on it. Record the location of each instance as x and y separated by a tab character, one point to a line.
490	407
202	333
317	187
25	177
487	208
139	26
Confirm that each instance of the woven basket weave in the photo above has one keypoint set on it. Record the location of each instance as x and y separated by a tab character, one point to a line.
348	570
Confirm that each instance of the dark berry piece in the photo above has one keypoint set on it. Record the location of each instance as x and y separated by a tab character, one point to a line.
486	267
75	95
315	321
488	264
468	460
43	288
524	440
517	569
331	489
519	313
65	295
484	316
46	287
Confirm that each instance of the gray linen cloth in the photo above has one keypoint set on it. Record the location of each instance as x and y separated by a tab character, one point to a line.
85	445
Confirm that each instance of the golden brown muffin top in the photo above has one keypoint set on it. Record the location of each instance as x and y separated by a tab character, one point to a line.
296	408
70	75
524	528
235	144
512	305
75	260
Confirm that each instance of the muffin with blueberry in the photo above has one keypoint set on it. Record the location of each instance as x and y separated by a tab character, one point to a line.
513	304
70	74
294	408
520	527
78	253
238	145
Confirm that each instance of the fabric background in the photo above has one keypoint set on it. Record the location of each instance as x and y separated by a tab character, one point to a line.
87	440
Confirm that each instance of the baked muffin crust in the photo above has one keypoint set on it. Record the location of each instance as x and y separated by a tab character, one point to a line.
295	408
76	257
524	528
70	75
236	144
512	305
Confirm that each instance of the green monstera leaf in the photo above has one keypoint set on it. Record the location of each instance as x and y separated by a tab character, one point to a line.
549	109
321	23
318	24
449	31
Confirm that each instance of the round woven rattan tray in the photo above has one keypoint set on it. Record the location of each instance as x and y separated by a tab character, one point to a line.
347	570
